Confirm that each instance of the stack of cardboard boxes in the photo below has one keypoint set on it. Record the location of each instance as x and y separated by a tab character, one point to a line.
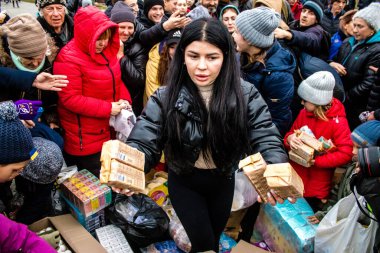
87	198
280	177
122	166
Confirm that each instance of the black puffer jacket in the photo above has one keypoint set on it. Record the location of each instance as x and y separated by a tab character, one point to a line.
357	58
329	23
133	70
374	95
146	135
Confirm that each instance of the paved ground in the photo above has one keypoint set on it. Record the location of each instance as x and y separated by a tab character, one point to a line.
25	7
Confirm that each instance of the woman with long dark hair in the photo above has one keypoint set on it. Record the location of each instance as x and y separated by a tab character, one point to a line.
205	119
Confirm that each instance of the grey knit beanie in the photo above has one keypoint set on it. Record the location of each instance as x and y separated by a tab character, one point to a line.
317	88
370	14
257	26
47	165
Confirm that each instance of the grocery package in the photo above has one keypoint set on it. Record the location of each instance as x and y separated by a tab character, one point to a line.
284	180
310	148
285	227
157	188
280	177
122	166
113	239
90	223
84	190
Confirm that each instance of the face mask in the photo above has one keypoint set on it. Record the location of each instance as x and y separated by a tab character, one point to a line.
19	65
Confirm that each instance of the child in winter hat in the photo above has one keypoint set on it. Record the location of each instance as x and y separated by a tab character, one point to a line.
367	134
370	15
325	116
15	149
16	144
47	165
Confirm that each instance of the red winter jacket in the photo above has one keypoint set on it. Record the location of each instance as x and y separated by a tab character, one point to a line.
84	106
318	178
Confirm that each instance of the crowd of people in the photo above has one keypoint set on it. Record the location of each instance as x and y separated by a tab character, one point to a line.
210	82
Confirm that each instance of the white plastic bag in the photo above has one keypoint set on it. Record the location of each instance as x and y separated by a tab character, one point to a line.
123	124
245	194
342	229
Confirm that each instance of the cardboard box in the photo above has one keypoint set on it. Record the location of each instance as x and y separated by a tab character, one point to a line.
233	227
255	174
74	235
305	152
296	158
284	180
310	140
115	149
90	223
245	247
125	176
84	190
122	166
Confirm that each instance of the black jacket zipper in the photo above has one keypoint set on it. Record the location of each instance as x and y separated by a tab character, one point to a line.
113	78
80	133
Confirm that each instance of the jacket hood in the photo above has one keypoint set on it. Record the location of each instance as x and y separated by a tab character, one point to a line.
336	110
89	24
279	59
374	39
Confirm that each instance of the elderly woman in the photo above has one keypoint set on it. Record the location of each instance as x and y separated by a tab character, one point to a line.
27	47
354	59
95	91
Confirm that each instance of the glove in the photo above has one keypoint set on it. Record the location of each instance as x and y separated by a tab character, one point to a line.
29	109
52	237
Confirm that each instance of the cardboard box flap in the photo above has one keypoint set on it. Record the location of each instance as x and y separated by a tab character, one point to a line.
75	235
245	247
278	170
250	160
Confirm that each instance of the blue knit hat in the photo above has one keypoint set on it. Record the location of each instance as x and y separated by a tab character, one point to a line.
15	139
315	7
367	134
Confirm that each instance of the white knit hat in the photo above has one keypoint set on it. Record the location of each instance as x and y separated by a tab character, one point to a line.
317	88
371	15
257	26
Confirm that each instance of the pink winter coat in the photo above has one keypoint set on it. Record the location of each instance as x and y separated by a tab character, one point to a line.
318	178
15	237
84	106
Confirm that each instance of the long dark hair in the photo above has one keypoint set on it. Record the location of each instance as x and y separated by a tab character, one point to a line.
224	125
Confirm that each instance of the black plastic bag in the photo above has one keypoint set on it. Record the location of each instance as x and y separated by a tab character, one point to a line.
140	218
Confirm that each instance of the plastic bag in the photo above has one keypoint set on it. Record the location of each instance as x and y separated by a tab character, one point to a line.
140	218
245	194
178	233
345	229
66	173
123	124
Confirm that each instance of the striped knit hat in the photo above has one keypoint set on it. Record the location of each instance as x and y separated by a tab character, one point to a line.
257	26
25	36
